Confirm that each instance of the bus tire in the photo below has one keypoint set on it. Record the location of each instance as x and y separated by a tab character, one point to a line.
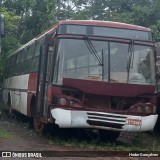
108	135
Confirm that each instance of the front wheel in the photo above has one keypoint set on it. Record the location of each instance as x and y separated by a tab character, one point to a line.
38	125
108	135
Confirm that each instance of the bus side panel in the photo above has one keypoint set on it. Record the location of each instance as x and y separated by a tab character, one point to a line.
17	87
32	85
16	96
23	103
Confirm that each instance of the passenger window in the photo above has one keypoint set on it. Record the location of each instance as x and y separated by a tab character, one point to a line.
30	51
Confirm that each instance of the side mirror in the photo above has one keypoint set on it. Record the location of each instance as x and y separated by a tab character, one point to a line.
2	25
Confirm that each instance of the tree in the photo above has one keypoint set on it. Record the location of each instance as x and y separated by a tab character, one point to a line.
37	15
10	42
25	19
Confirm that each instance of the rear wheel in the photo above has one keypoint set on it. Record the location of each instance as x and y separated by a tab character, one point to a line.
108	135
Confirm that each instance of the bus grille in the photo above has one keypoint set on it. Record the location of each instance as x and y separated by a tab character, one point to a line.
106	120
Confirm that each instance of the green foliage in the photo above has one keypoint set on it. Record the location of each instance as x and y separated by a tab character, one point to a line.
25	19
10	42
37	15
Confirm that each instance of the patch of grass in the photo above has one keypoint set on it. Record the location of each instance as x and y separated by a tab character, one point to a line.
142	142
6	134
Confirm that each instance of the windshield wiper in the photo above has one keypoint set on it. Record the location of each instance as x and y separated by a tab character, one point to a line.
131	58
92	50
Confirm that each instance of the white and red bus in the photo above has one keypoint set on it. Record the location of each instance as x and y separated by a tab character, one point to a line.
85	74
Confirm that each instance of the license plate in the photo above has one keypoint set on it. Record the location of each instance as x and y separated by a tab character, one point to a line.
136	122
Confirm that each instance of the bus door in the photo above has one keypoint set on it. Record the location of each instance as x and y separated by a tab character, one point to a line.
46	52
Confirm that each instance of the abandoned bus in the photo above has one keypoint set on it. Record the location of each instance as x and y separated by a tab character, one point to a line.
85	74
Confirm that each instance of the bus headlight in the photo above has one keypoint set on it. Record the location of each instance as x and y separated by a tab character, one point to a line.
140	109
62	101
148	109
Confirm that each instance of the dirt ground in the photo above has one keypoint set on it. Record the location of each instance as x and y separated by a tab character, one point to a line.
24	139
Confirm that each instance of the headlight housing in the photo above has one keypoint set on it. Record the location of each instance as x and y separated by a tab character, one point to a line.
146	108
75	104
67	101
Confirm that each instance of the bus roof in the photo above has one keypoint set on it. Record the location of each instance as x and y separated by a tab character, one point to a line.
84	22
95	23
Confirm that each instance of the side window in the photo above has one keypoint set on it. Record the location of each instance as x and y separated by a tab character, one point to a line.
25	60
13	60
12	69
22	55
18	58
29	58
16	66
37	49
35	59
30	51
7	67
49	61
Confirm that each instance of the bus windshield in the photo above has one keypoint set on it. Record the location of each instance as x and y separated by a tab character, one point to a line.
75	60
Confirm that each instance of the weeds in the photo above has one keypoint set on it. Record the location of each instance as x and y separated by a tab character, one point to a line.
142	142
6	134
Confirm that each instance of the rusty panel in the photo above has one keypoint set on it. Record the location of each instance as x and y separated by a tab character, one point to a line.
109	89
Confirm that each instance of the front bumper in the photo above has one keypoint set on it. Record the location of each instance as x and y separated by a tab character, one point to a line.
100	120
